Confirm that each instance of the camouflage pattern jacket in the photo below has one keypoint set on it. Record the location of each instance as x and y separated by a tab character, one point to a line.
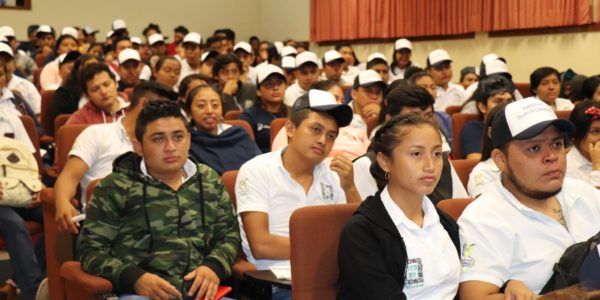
137	224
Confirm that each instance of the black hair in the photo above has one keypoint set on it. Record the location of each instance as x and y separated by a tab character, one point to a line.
72	84
211	39
181	29
339	46
539	74
412	70
32	28
405	96
394	61
154	110
92	70
118	40
151	26
252	38
376	61
324	85
59	41
192	94
151	90
39	35
467	70
185	82
490	86
590	86
581	120
273	56
228	33
487	145
161	61
388	137
393	85
225	59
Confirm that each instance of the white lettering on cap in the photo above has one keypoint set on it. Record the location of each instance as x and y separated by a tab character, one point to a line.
523	114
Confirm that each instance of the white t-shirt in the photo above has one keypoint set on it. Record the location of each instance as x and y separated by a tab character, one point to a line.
399	73
433	266
579	167
484	173
186	70
264	185
349	75
6	103
561	104
292	93
12	124
367	186
28	91
502	239
454	95
98	146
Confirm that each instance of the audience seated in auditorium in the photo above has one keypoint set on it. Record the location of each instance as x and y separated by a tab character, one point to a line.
306	73
243	51
333	65
468	75
130	69
401	59
377	62
69	97
235	94
439	66
192	50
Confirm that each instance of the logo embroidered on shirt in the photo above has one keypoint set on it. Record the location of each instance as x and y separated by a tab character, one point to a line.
326	191
244	185
467	260
414	274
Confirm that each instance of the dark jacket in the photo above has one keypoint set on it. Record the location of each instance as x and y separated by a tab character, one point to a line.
242	100
372	255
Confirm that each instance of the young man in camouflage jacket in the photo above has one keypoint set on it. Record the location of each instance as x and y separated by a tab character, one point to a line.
160	225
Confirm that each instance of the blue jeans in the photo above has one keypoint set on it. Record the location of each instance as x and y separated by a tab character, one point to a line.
25	265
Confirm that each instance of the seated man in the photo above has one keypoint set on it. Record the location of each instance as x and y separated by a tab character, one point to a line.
520	226
104	105
272	185
94	151
160	224
130	68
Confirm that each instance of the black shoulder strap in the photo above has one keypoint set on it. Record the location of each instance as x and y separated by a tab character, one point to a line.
443	190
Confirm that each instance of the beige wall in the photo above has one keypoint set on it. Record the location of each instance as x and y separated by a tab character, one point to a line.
283	19
203	16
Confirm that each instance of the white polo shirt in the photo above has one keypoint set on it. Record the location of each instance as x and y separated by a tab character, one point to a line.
433	266
502	239
264	185
28	91
11	124
454	95
367	186
6	103
484	173
292	93
98	146
579	167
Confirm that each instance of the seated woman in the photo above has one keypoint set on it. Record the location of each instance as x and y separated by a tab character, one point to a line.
545	85
50	78
269	105
187	84
397	245
220	146
166	72
491	91
591	88
583	160
485	171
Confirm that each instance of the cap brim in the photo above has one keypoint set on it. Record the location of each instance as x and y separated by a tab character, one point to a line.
342	113
439	63
274	74
561	124
339	59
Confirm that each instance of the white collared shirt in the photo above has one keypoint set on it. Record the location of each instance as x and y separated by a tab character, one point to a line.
98	146
264	185
28	91
189	169
484	173
579	167
561	104
292	93
6	103
454	95
433	266
502	239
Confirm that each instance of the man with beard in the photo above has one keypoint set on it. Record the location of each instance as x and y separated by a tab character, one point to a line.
515	232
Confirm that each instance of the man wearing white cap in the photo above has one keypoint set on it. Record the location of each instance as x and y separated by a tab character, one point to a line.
130	68
514	233
271	186
157	44
333	66
439	66
306	73
379	64
288	64
367	94
190	64
119	27
23	62
15	83
401	59
46	38
243	51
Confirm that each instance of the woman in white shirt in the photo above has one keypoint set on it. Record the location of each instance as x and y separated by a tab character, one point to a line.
583	160
397	245
545	85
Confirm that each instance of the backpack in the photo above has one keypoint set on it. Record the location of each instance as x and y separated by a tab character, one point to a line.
20	178
566	270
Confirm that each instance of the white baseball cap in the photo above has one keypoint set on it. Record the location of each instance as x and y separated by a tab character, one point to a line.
155	38
109	33
279	46
368	77
264	71
136	40
119	24
288	62
306	57
7	31
88	30
377	56
208	54
496	66
331	56
525	119
437	57
489	57
288	50
6	49
323	101
128	54
243	46
192	37
44	29
70	31
402	44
